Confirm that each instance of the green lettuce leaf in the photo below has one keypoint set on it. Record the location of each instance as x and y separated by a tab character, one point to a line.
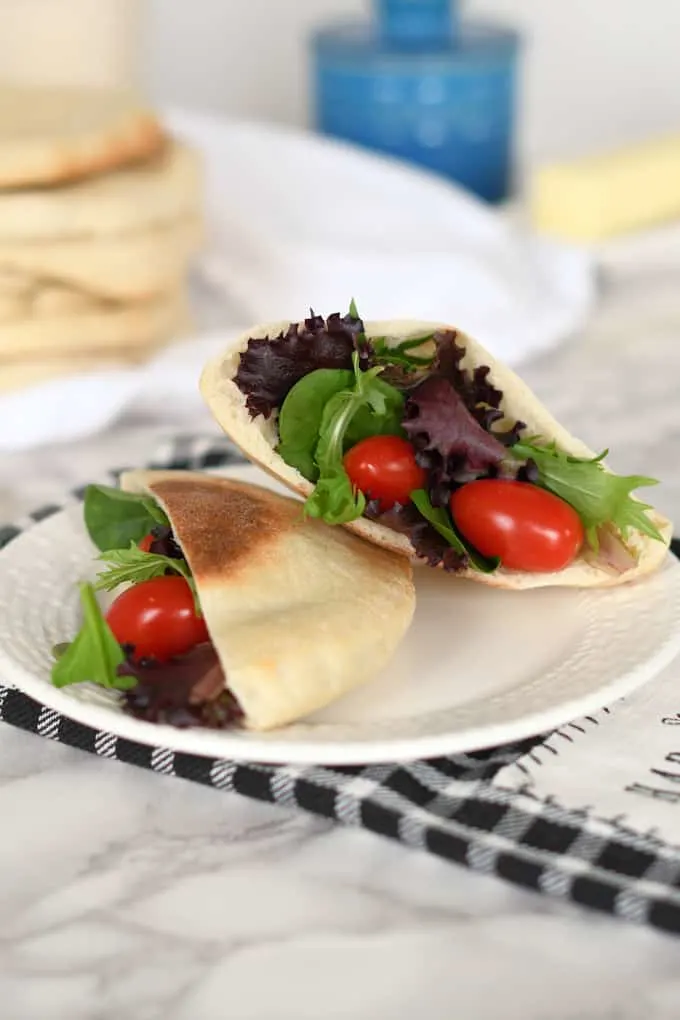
94	655
598	496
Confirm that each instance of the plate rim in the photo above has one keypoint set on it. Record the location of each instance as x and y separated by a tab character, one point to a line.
267	748
281	752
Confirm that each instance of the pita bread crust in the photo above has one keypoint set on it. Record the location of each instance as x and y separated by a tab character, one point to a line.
159	191
133	266
52	136
109	328
299	614
256	438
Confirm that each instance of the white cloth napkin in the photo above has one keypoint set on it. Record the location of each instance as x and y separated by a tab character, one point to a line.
619	766
297	220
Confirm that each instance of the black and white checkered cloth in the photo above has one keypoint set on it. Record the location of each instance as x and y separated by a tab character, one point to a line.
445	806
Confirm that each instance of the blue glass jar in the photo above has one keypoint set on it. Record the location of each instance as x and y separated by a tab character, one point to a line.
419	85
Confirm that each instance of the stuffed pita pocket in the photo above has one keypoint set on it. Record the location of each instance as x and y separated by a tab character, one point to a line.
322	405
257	616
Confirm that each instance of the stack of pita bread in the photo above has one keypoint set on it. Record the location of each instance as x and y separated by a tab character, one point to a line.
100	215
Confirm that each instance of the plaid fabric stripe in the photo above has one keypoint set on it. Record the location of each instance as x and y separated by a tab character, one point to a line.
445	806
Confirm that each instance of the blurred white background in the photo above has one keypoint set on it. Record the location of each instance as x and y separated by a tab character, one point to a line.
597	72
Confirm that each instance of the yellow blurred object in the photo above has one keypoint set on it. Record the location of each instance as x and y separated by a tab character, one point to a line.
602	196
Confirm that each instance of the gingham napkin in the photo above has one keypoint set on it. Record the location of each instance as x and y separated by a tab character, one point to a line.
560	829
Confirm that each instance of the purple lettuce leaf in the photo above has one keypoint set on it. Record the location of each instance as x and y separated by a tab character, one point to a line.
189	690
428	544
268	369
438	421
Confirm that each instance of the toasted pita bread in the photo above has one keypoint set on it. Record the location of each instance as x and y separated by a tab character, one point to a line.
257	439
298	614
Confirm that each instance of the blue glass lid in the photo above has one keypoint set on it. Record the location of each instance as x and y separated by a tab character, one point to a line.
414	22
356	43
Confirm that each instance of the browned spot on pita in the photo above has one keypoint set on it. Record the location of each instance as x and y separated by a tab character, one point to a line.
223	524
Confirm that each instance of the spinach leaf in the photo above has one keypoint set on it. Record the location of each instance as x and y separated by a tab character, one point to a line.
301	414
114	518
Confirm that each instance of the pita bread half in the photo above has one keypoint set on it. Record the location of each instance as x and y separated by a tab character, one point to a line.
257	439
51	136
299	615
159	191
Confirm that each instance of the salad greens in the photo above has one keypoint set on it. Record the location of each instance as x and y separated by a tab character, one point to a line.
301	417
441	521
369	407
325	378
94	654
173	675
400	354
301	414
114	518
133	565
598	496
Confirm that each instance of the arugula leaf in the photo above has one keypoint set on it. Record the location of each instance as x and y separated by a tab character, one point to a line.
399	354
114	518
301	414
441	521
131	566
380	417
598	496
393	354
334	499
94	655
370	407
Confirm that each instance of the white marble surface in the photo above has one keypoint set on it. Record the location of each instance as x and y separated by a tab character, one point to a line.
127	894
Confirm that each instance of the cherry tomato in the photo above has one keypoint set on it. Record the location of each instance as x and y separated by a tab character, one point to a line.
146	543
528	528
384	468
158	617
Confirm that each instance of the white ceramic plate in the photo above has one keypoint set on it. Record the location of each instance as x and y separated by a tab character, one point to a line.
478	668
